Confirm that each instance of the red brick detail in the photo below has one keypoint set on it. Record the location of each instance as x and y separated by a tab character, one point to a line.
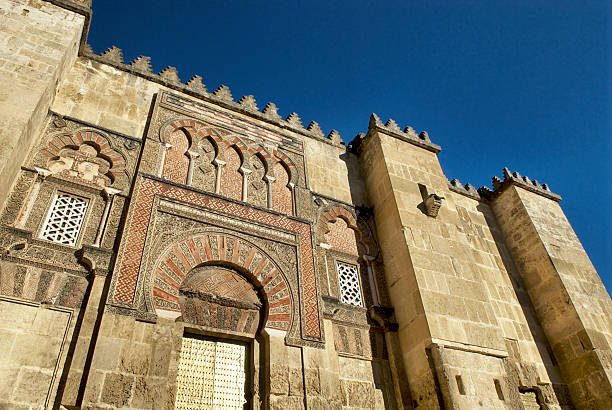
167	278
128	269
192	249
260	267
347	235
164	295
249	259
236	252
231	178
280	317
176	163
178	271
277	289
282	196
97	140
269	277
222	247
278	303
182	258
206	247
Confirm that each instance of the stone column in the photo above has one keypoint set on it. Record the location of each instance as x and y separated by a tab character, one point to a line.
245	182
192	157
29	87
109	193
26	208
434	302
372	279
162	161
219	164
269	181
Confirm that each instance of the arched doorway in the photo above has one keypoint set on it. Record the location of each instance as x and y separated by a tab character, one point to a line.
229	296
222	311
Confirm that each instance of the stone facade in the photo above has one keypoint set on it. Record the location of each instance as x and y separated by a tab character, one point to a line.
142	215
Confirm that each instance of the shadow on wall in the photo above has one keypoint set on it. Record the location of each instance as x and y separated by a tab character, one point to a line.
528	380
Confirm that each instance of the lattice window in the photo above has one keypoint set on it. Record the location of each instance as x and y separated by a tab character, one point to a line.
65	219
211	375
348	280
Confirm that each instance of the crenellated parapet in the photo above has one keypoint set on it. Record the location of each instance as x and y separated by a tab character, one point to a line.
485	193
468	189
391	128
169	77
514	178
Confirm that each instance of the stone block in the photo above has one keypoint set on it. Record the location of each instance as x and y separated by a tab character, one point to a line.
35	350
106	356
9	380
360	394
135	358
123	327
296	382
279	379
148	392
71	389
93	390
7	337
117	389
286	402
32	386
312	382
160	359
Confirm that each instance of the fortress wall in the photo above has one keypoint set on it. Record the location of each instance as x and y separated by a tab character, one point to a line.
451	274
102	95
334	172
34	341
105	96
571	303
38	44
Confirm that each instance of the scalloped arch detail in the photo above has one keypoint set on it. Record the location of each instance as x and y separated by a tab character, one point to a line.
331	215
88	137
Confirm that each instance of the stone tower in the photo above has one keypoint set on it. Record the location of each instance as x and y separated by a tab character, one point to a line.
167	246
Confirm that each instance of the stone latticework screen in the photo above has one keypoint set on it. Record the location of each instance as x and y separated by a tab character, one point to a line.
211	375
348	279
65	219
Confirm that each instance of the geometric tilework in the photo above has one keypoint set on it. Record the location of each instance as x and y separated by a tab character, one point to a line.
129	267
65	219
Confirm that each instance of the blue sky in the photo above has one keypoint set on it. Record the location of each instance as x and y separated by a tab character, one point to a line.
522	84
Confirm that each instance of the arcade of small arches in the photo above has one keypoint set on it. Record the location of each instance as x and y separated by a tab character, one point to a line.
198	156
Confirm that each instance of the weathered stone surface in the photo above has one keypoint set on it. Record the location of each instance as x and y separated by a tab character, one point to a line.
117	389
461	303
279	379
